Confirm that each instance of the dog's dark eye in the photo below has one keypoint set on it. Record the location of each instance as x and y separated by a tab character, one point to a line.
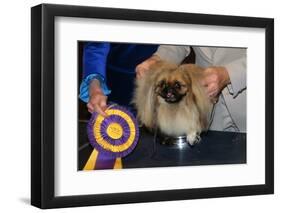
162	84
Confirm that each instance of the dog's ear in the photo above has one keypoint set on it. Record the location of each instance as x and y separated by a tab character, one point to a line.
145	101
145	98
204	105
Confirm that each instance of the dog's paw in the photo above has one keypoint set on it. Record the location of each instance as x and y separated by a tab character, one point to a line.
193	139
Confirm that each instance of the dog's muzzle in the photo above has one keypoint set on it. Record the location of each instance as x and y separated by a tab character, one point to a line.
170	94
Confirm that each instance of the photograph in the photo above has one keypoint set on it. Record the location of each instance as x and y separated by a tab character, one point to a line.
158	105
136	106
133	106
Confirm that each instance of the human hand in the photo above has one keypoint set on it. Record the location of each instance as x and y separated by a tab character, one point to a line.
97	100
143	67
215	80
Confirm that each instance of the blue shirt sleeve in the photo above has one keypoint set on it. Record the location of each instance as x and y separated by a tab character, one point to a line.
94	67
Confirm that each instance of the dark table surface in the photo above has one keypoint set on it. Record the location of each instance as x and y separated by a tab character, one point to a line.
215	148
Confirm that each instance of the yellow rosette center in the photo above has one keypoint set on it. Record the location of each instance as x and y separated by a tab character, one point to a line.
114	130
114	134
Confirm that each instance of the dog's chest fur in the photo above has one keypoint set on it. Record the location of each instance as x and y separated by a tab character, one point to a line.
175	119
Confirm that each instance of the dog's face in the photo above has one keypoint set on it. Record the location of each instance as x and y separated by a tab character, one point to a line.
172	86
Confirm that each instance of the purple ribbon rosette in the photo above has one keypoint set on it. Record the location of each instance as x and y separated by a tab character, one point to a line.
112	137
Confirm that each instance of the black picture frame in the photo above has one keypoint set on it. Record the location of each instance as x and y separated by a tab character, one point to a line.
43	105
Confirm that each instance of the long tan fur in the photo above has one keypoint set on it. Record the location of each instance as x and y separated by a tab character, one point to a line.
190	116
145	97
201	100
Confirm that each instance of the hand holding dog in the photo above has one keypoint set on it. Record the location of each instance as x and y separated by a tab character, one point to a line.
143	67
215	80
97	100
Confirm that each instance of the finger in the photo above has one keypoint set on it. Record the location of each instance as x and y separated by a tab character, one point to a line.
212	94
215	94
138	68
90	107
103	105
90	111
100	106
138	75
141	74
209	91
93	100
212	87
100	111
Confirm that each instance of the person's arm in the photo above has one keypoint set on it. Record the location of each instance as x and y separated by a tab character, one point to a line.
237	75
143	67
215	79
97	100
94	67
172	54
230	72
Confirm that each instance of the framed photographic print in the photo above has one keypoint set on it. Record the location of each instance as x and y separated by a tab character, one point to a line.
140	106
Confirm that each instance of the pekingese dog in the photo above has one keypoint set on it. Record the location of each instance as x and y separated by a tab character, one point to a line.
170	98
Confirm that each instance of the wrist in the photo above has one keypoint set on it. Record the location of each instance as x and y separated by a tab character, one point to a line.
95	87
